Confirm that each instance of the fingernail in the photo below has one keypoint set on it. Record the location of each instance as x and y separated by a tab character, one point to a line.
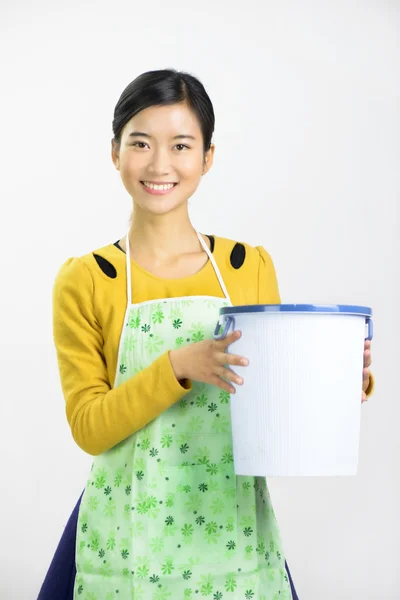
244	362
239	380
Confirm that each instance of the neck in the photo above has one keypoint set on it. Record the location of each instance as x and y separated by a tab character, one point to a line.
161	236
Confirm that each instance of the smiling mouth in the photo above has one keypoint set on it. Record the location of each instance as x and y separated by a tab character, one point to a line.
160	187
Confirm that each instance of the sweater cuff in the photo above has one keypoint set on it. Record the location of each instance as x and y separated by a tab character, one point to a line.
371	386
176	389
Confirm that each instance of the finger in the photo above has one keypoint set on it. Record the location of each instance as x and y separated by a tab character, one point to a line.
224	385
230	339
364	397
231	359
367	345
229	375
365	374
367	358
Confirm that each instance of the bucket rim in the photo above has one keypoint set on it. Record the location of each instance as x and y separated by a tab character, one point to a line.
340	309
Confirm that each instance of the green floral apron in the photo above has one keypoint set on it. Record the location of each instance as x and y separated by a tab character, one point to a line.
163	516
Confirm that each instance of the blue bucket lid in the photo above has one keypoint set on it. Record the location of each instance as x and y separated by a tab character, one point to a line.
343	309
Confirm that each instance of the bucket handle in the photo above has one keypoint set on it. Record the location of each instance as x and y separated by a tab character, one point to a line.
227	322
370	326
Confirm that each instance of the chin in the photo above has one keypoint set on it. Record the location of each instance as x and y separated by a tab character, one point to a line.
160	208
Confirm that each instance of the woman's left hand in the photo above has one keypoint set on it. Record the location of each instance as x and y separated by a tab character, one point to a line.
367	363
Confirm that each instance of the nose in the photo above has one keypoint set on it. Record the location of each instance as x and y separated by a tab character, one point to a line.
160	163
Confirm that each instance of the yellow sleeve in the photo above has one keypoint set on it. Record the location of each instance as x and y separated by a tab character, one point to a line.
100	416
268	290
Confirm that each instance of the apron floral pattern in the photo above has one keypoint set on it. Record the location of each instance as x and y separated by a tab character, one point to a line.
163	516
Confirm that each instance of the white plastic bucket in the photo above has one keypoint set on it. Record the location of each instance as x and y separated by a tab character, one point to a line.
298	411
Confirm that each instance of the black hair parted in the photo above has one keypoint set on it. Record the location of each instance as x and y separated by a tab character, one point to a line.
160	88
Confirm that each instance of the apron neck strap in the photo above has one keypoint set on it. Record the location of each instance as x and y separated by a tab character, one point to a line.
210	256
214	264
128	271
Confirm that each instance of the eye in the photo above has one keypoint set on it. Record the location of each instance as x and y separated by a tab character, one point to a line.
137	144
181	146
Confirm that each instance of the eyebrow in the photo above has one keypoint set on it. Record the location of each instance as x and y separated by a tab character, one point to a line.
176	137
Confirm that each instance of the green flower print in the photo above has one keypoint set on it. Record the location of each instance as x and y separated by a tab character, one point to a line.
224	397
110	508
196	332
202	456
166	439
246	486
145	328
156	544
179	341
129	344
177	323
211	527
118	478
195	425
194	502
187	530
93	503
170	530
212	468
229	524
168	566
134	319
176	314
206	585
217	506
95	541
145	444
161	594
230	583
157	316
201	401
170	500
111	543
142	572
154	344
247	521
260	548
220	424
227	455
100	478
137	529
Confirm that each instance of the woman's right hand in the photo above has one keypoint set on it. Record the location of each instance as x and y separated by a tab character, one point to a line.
206	361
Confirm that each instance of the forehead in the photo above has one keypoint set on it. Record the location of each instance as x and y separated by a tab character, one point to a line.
167	120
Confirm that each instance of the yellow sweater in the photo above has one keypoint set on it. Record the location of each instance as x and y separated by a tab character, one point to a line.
89	304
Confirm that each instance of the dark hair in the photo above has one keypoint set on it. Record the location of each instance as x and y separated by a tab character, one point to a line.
159	88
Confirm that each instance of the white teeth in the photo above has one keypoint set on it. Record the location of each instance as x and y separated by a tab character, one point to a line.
163	187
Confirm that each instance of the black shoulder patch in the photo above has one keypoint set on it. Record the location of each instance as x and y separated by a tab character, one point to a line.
107	268
238	255
212	242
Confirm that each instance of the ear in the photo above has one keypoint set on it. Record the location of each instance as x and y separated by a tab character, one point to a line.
208	159
115	154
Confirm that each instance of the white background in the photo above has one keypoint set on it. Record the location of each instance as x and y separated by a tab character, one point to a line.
306	96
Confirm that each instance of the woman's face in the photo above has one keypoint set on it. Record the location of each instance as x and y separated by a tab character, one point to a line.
161	157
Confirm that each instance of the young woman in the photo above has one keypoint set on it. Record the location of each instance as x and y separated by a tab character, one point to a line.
147	389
